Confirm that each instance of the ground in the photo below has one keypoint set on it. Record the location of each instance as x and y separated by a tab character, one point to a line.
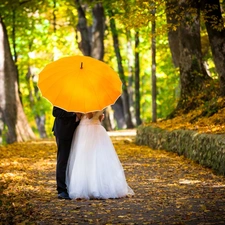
169	189
208	117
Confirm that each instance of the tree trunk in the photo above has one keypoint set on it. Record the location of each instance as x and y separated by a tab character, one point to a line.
107	121
2	85
172	21
92	39
192	70
130	60
40	122
98	30
1	121
11	108
39	119
125	95
97	46
216	33
85	44
154	106
137	81
119	114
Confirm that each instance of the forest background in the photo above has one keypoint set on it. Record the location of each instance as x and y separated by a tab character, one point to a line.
170	56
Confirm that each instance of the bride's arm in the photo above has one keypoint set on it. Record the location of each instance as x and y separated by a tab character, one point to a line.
101	117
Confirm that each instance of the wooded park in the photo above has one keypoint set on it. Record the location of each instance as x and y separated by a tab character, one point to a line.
168	54
167	126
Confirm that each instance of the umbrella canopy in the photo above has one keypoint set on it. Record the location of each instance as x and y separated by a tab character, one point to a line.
80	84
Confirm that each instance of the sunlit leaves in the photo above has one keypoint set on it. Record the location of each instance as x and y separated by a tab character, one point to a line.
209	117
164	184
136	13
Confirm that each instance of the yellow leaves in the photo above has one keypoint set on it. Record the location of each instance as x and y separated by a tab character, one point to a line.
220	100
162	181
185	181
197	120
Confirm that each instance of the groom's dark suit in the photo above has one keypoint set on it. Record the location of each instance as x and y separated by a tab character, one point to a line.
64	127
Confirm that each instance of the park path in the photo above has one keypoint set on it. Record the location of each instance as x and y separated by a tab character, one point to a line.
169	189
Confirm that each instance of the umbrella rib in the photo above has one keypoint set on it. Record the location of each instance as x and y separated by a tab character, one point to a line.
93	88
71	99
56	97
98	84
108	95
59	78
62	75
106	91
55	100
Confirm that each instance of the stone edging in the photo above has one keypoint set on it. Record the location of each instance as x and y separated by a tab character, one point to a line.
205	149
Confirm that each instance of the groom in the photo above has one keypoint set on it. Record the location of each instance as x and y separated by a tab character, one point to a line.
63	128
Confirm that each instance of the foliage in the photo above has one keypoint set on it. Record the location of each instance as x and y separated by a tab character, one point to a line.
208	117
45	31
167	187
38	41
136	13
167	95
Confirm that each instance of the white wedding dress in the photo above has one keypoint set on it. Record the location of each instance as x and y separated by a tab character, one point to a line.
94	169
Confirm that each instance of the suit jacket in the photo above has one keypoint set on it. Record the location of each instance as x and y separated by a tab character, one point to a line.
64	124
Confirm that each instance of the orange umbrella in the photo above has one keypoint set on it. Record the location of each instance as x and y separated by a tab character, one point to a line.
80	84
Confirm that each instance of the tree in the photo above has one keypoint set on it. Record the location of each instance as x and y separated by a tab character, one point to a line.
92	38
34	101
125	95
11	108
130	72
172	10
82	27
193	75
154	96
216	33
98	30
137	80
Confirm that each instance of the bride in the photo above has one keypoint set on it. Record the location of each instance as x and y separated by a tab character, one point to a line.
94	170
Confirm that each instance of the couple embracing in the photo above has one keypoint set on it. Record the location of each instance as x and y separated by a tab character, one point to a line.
87	164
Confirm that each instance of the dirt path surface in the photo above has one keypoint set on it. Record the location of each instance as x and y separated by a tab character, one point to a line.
169	189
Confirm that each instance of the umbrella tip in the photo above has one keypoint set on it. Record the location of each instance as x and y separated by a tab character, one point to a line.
81	65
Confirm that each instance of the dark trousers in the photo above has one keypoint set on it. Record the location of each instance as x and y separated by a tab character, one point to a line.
62	159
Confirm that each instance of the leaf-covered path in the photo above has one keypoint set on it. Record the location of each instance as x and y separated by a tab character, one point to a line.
169	189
